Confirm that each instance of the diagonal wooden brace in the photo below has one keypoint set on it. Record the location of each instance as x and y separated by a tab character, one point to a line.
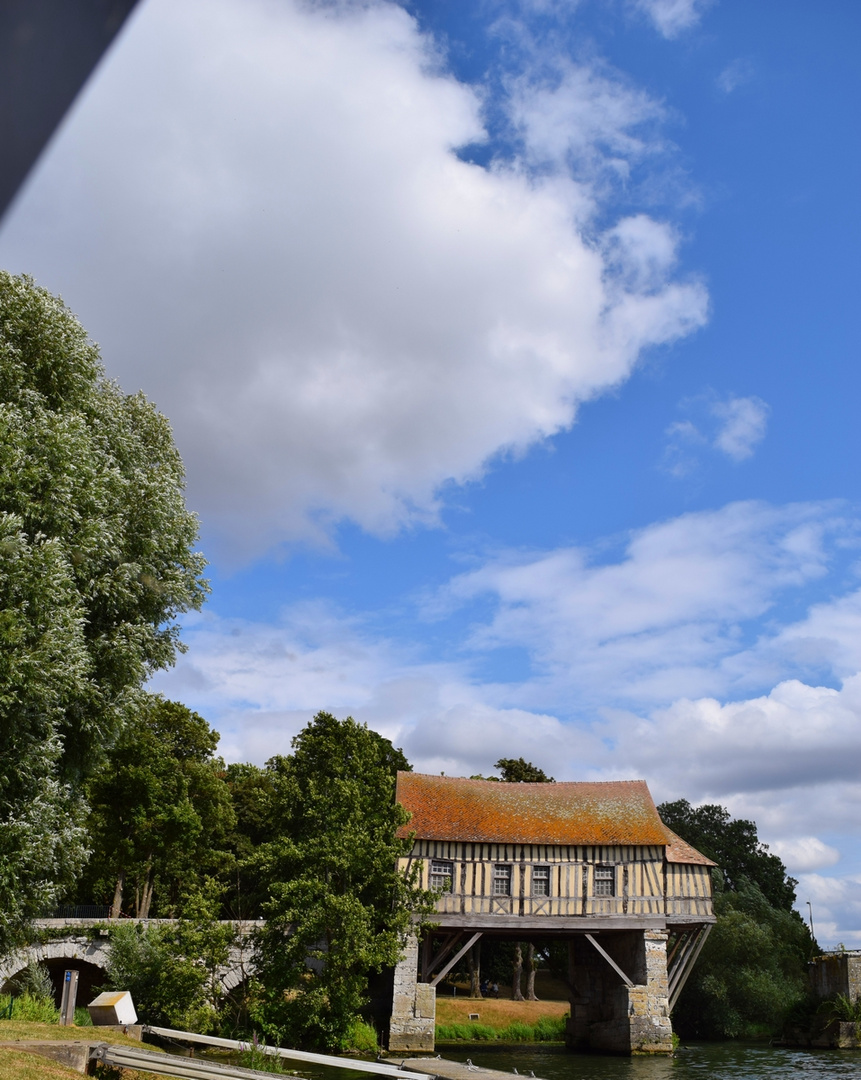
438	978
610	961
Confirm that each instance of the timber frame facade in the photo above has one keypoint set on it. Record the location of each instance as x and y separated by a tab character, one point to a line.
591	863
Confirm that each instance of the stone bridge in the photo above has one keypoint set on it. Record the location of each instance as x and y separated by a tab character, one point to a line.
85	945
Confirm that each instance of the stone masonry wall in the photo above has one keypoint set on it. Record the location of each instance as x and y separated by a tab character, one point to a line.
608	1015
413	1022
836	973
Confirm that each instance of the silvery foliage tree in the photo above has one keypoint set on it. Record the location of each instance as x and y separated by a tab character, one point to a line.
96	562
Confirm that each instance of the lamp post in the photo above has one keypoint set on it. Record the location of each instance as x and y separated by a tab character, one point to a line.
810	908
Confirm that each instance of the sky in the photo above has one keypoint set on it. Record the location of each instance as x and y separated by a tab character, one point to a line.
512	351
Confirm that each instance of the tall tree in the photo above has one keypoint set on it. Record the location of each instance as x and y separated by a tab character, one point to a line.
520	771
251	791
96	563
161	816
754	964
339	908
734	845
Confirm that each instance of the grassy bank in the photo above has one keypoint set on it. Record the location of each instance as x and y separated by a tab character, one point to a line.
17	1064
500	1020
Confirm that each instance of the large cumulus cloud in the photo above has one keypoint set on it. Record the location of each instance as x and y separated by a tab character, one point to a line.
259	211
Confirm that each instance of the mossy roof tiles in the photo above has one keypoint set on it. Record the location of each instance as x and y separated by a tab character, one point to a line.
680	851
486	811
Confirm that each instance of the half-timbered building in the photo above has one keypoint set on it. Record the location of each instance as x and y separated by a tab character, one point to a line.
589	862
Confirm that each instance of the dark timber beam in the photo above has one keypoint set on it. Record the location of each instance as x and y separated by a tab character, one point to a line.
685	964
610	961
455	958
447	946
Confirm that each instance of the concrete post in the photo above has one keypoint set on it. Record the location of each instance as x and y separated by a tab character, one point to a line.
413	1020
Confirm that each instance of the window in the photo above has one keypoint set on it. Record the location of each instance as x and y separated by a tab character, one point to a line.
441	875
502	881
540	880
605	881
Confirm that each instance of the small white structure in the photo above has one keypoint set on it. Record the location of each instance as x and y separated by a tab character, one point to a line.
115	1007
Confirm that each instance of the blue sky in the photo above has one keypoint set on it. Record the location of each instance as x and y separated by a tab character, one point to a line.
511	348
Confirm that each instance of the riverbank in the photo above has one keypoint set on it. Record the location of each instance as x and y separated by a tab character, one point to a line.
499	1020
20	1061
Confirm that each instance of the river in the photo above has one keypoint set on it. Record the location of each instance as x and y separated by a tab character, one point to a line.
696	1061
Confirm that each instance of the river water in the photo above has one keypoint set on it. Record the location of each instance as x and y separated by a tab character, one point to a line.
697	1061
694	1061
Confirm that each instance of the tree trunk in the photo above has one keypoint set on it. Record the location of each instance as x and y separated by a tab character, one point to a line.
473	963
516	993
530	972
117	905
146	893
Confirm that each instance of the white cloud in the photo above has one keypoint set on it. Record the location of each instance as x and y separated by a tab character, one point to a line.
836	904
257	209
662	621
734	75
642	666
580	117
805	853
732	426
672	17
743	423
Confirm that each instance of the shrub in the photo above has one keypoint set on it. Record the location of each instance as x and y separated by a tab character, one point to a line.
361	1038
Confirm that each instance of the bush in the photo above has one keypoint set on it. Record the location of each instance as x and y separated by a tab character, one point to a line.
361	1038
37	1010
35	980
83	1018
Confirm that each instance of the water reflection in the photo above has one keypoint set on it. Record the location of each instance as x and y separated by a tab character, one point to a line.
721	1061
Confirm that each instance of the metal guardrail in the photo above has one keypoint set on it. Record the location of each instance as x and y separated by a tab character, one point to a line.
379	1068
80	911
181	1068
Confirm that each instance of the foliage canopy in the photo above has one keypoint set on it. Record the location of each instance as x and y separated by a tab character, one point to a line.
334	882
97	561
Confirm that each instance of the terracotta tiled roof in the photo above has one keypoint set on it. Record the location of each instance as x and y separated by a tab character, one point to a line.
484	811
680	851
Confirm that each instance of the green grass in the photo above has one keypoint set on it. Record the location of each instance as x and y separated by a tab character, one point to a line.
25	1007
545	1029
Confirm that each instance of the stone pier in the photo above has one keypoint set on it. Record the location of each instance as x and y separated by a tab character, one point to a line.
413	1020
620	1005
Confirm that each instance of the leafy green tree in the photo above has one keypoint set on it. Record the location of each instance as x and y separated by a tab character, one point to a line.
734	845
753	969
751	973
172	972
161	814
96	563
520	771
339	909
251	791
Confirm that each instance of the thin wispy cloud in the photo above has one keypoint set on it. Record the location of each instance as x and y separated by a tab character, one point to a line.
743	423
731	426
658	645
735	74
673	17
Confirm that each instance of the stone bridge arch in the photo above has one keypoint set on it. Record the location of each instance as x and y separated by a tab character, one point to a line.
86	945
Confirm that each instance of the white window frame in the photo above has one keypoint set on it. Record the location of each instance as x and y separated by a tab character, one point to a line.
502	879
605	881
540	880
442	875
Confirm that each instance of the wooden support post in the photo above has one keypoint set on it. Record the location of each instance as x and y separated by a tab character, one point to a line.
683	969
